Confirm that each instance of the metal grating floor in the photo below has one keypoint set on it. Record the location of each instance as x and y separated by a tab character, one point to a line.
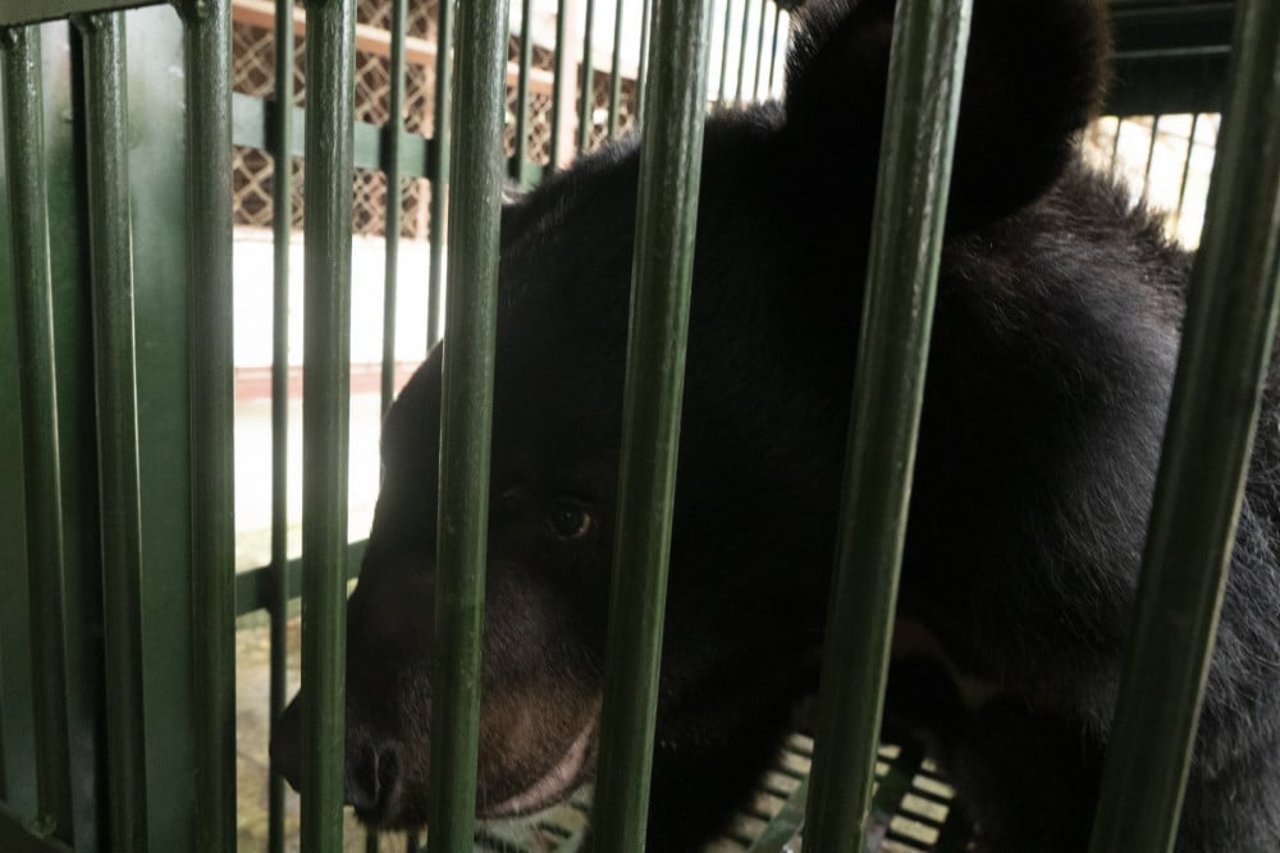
913	812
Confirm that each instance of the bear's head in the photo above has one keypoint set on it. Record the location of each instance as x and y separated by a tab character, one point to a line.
783	223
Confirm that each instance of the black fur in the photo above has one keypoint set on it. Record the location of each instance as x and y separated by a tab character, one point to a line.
1054	346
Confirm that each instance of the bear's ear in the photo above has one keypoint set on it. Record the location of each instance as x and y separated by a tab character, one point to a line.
1035	75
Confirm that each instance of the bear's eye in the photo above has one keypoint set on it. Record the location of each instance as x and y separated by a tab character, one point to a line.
570	521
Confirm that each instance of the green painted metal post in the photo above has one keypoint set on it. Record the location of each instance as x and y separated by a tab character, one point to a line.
521	161
764	19
391	230
440	168
33	309
1151	155
561	74
1115	145
466	421
615	72
930	38
586	83
662	271
742	50
642	74
1186	169
208	75
111	258
1230	323
281	229
325	414
777	29
724	50
391	166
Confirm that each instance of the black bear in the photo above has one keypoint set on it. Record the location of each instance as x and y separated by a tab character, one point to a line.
1054	347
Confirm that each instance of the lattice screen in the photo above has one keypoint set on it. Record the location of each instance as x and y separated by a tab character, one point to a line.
254	74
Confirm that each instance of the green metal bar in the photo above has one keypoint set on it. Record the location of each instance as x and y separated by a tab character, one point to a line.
281	228
33	310
561	73
111	261
4	764
1151	155
764	19
615	73
642	73
1115	145
209	218
391	233
466	423
73	334
522	94
930	40
587	90
440	167
325	414
666	220
1229	326
18	777
1186	169
160	201
724	50
773	57
742	49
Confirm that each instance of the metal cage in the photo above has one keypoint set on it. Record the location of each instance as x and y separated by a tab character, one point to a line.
117	618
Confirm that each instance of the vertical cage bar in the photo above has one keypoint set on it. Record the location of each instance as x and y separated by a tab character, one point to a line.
1151	155
642	70
587	92
33	312
557	83
111	259
930	40
395	201
209	323
1115	145
522	93
325	414
764	19
662	270
773	57
742	50
440	167
466	421
724	50
1226	344
615	72
391	230
281	230
1186	170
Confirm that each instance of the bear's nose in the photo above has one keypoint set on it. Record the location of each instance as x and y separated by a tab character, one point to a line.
371	779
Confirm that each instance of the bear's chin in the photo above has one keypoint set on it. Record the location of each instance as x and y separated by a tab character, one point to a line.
552	787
